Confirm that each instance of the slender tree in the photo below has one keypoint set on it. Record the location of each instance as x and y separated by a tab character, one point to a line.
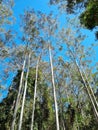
35	93
54	90
90	86
49	26
19	93
24	94
85	84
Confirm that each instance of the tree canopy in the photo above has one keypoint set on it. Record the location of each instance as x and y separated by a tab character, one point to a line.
48	71
89	15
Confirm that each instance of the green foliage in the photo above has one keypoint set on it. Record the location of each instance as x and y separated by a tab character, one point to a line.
6	108
89	18
43	112
75	110
71	5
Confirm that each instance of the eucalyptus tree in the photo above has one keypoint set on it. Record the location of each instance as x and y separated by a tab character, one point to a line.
49	27
33	26
66	95
77	98
75	52
24	94
32	38
25	54
54	90
62	91
18	62
43	116
35	92
73	102
74	92
19	93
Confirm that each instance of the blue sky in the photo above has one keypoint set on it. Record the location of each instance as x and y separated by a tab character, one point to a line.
21	5
42	5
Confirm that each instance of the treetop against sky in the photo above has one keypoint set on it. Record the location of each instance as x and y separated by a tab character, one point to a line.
49	76
43	6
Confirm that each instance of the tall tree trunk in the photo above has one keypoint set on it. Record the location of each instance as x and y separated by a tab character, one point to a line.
89	94
54	91
90	87
18	96
24	94
35	90
85	84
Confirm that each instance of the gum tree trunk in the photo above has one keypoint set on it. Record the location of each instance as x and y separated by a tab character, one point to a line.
18	96
35	90
24	94
85	84
54	91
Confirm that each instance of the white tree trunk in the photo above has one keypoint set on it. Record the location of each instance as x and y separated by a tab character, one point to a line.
90	96
86	86
24	94
35	90
54	91
90	87
18	96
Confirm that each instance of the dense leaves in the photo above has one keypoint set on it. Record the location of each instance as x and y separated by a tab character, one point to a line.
89	15
76	111
43	111
89	18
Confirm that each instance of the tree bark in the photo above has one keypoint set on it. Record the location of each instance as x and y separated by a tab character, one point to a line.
54	91
83	79
90	96
18	96
90	87
35	90
24	94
